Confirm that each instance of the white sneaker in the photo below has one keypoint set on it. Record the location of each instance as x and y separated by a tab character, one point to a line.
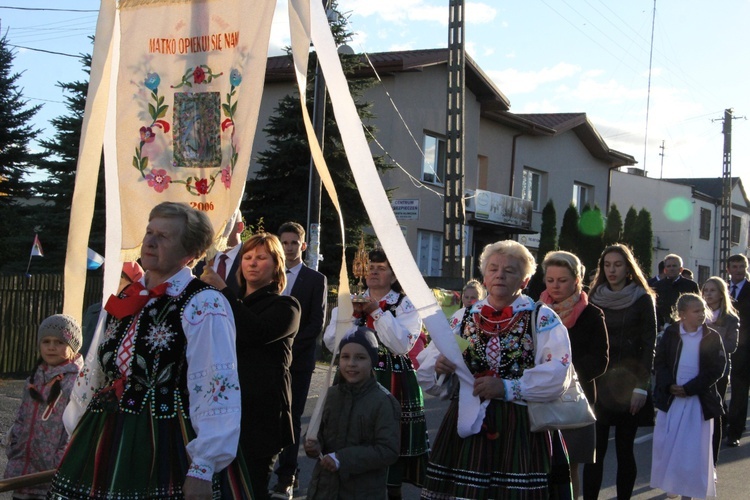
281	492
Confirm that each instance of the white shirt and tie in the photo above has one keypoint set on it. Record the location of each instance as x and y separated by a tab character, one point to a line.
291	277
230	255
736	288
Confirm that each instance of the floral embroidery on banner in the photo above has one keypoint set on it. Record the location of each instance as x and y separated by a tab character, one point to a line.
196	131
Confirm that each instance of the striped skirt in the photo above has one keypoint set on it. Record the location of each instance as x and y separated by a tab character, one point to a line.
125	456
503	461
396	373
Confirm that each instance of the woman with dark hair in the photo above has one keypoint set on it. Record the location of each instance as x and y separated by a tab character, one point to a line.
266	325
563	278
397	325
624	391
162	401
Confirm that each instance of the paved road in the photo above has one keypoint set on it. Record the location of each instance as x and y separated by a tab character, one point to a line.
732	471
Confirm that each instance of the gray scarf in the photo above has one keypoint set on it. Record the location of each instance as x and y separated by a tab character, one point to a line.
607	298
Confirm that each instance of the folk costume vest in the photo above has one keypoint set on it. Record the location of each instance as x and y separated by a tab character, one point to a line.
158	370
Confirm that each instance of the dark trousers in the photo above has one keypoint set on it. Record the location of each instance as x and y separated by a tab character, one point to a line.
740	377
721	386
287	467
627	471
259	469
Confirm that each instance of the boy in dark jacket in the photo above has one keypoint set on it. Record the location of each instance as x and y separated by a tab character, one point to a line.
359	431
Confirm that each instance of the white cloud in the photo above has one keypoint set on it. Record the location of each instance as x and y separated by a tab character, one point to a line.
513	81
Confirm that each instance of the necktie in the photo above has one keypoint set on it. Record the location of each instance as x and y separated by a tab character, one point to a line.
221	269
136	296
734	291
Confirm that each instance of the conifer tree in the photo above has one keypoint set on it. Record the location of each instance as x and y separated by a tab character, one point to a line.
591	229
569	234
547	243
643	241
613	228
630	227
57	188
16	161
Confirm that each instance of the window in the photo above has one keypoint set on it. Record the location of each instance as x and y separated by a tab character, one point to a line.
704	272
582	195
531	188
705	229
736	230
483	166
430	253
433	165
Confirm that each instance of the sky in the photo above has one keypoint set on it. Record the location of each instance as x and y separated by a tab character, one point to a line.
546	56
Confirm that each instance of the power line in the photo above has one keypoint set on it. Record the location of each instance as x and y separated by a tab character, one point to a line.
46	51
48	10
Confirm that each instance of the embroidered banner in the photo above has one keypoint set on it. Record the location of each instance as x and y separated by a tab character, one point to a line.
188	94
181	109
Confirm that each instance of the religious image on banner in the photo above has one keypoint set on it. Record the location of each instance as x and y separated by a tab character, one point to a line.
188	92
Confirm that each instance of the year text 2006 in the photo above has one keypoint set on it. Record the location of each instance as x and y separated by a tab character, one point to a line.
203	206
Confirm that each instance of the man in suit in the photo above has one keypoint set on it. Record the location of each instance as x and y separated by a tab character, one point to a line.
227	262
653	280
739	377
310	288
670	288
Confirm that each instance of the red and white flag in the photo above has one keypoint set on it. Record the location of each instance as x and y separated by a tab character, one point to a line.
36	248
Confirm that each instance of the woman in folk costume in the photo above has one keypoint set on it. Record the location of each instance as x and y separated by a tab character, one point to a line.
163	414
397	325
504	459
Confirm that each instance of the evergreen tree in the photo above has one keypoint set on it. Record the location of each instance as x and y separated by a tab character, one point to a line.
285	166
569	234
57	188
630	227
547	243
613	229
643	243
591	229
16	161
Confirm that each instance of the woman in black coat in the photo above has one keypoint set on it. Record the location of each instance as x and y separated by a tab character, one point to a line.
623	399
266	325
563	274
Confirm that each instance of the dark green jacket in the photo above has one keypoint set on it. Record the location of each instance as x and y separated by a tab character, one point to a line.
361	425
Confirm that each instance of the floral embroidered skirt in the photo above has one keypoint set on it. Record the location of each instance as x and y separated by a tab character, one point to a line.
396	373
125	456
503	461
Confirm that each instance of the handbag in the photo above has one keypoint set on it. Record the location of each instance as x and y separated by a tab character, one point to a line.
569	411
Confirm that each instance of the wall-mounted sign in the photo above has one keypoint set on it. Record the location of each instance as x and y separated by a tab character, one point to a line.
502	209
406	209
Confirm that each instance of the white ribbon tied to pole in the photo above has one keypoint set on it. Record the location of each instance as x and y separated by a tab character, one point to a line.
471	411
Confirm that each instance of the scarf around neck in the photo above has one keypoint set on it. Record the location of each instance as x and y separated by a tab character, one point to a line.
607	298
569	309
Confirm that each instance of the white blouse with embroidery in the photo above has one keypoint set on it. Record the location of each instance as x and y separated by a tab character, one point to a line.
398	333
212	382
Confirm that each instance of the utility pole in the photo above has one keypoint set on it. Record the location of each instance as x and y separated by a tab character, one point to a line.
454	213
315	186
725	234
661	170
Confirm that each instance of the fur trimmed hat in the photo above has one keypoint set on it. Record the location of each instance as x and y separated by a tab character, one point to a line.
364	337
63	327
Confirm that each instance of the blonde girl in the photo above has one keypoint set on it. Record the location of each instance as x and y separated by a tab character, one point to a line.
724	318
689	361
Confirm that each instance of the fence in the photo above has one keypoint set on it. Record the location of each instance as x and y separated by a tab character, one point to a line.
24	303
